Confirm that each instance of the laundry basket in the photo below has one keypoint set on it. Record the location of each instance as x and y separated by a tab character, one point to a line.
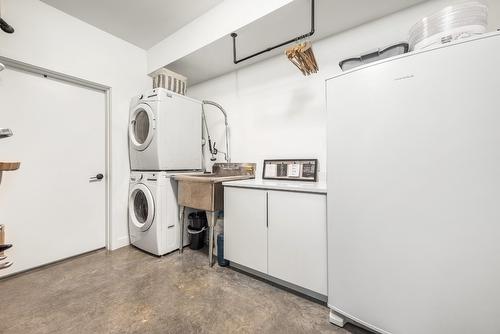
164	78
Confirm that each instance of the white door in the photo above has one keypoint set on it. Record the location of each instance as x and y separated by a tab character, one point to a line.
50	207
297	239
245	227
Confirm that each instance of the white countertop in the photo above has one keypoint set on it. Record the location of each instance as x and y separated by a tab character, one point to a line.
299	186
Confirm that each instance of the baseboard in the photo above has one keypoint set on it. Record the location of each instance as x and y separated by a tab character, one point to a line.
312	295
49	264
120	242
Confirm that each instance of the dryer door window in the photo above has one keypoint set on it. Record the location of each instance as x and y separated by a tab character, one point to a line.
141	127
141	207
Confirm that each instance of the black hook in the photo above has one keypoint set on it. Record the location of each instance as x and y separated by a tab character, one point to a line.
6	27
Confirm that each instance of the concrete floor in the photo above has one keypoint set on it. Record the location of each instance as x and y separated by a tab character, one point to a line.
128	291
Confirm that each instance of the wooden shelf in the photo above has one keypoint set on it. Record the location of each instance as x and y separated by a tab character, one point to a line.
9	166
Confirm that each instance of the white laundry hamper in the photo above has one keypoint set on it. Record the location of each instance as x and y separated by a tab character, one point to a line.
164	78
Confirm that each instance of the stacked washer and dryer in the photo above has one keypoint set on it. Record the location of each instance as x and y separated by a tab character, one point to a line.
165	138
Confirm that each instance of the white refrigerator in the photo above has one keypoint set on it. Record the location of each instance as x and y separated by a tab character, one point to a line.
414	191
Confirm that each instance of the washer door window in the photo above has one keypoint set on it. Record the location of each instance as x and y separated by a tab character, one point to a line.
141	207
141	127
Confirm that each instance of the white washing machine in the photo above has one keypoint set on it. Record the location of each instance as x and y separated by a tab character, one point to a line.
165	132
153	212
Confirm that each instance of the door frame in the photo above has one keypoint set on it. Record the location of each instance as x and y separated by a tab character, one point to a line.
46	73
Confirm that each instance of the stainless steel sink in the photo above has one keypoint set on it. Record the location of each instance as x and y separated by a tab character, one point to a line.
205	192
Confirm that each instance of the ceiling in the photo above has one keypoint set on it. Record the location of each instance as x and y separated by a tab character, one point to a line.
147	22
332	16
140	22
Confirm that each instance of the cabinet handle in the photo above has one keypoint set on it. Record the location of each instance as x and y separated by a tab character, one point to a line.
267	209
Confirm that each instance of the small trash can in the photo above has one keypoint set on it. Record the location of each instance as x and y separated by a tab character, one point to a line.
196	229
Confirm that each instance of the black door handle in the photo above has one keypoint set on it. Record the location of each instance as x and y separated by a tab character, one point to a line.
97	177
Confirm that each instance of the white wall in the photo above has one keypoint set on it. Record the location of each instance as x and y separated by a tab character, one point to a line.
275	112
52	39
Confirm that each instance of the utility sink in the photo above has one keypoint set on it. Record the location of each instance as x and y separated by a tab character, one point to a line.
205	191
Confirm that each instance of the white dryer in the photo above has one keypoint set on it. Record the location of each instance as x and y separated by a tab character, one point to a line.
153	212
165	132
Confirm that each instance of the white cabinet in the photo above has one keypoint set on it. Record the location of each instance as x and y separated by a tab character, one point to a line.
278	233
297	239
245	227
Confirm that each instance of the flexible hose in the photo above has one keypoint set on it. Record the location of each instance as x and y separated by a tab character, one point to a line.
227	156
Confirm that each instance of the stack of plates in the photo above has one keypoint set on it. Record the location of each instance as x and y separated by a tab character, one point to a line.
461	20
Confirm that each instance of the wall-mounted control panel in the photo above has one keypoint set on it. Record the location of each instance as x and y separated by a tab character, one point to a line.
297	170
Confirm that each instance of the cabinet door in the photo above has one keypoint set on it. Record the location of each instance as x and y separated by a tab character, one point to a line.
297	239
245	227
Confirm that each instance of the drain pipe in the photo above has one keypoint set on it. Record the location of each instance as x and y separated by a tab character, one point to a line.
212	148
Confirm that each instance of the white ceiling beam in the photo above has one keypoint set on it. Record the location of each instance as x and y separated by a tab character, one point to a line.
218	22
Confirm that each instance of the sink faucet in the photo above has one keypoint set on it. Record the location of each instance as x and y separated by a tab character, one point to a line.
4	133
212	148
